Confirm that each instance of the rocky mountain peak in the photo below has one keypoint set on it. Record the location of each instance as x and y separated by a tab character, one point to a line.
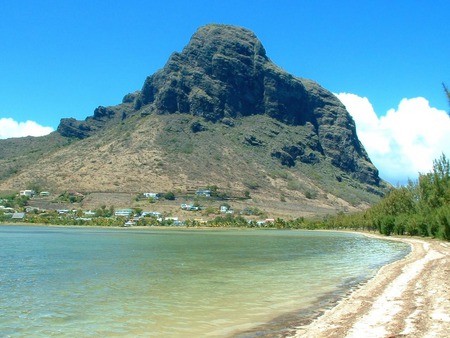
223	74
220	73
223	40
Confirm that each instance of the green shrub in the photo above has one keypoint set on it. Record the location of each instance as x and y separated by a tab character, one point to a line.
443	219
169	196
387	224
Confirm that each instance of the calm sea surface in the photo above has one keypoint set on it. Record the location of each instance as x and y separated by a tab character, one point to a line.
91	282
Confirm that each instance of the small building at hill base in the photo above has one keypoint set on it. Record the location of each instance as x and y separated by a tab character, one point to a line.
123	212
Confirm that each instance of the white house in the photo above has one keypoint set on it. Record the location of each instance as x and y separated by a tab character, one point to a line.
123	212
7	209
189	207
151	214
28	193
151	195
224	209
18	215
129	223
203	192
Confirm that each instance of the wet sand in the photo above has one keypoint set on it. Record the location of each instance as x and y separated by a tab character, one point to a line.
408	298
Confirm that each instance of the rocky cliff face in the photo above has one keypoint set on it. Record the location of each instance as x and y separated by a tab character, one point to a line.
224	75
224	72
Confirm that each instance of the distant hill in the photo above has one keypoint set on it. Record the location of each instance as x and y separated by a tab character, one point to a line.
219	113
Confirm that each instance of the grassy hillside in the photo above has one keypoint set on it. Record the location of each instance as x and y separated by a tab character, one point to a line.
19	154
182	153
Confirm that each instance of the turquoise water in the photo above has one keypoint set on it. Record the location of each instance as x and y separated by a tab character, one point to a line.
86	282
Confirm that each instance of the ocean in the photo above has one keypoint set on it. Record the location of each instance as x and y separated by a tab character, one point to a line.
96	282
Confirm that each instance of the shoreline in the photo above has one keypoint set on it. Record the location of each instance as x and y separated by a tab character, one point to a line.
409	297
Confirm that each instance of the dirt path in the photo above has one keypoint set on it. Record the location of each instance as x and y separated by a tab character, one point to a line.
408	298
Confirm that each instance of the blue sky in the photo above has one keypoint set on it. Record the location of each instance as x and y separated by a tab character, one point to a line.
64	58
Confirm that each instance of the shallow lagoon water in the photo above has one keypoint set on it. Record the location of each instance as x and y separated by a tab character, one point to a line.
93	282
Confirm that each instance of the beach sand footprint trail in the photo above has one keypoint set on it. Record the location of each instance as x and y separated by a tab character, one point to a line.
409	298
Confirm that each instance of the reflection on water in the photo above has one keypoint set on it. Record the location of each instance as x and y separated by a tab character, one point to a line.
184	283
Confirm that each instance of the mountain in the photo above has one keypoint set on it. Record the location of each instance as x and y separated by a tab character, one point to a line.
218	113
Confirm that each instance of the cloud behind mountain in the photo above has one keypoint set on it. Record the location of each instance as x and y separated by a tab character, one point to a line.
404	141
12	128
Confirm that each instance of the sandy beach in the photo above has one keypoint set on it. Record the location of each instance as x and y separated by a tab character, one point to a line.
408	298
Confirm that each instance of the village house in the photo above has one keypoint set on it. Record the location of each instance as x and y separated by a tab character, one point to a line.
28	193
123	212
265	222
172	220
189	207
18	215
225	209
151	214
203	193
153	195
7	210
33	209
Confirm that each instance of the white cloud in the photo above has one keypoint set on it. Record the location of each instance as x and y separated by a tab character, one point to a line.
11	128
406	140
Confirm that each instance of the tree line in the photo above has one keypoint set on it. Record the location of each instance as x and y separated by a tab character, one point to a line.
421	208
